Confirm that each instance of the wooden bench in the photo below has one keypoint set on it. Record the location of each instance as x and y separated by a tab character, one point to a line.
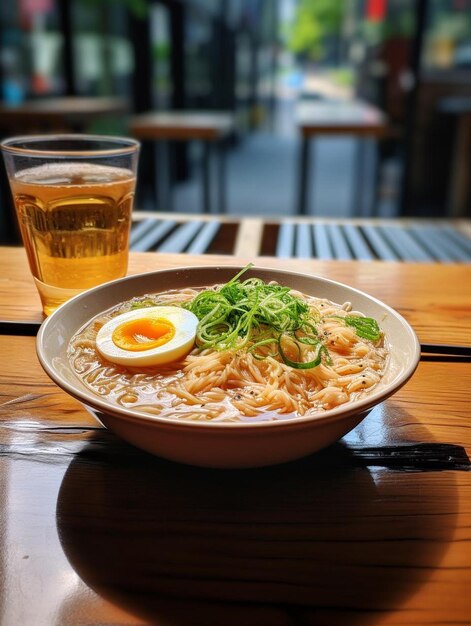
428	241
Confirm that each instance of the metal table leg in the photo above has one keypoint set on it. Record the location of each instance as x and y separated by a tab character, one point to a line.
359	177
222	179
304	166
206	188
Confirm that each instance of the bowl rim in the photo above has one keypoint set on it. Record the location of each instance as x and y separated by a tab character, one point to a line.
342	411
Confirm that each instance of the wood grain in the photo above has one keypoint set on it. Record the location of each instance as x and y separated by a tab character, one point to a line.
434	298
63	114
340	118
181	125
432	407
99	532
94	532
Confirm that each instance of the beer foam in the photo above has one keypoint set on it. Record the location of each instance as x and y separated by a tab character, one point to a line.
72	173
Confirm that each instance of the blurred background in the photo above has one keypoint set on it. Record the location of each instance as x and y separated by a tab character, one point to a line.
335	108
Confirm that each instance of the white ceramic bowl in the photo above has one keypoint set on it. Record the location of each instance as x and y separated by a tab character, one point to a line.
228	445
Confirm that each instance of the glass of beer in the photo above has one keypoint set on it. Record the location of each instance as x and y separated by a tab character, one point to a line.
73	196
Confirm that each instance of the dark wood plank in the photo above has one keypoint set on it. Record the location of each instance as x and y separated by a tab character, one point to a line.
95	531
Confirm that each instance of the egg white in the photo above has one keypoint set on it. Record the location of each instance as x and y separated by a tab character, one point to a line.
185	324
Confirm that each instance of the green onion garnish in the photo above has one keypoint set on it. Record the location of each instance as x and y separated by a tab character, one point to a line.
303	365
257	316
142	304
365	327
254	314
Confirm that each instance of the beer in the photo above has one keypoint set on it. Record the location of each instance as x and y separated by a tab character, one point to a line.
74	219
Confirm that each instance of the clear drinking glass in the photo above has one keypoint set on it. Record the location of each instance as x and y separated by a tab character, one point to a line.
73	196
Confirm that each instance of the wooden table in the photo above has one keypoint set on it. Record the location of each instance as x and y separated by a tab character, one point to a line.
375	530
48	115
70	113
210	128
335	117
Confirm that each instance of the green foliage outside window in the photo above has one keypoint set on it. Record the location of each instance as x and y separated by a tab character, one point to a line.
315	20
138	8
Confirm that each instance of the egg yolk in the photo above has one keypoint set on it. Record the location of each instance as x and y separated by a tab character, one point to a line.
143	334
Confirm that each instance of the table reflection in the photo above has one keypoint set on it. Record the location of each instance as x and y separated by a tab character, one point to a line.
187	546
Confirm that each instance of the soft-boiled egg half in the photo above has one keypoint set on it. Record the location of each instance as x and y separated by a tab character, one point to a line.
148	336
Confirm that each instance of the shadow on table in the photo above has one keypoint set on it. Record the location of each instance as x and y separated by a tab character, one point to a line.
321	540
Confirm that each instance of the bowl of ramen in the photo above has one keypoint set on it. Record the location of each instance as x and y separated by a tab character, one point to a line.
226	366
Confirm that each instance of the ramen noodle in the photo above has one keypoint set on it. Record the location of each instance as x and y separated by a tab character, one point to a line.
240	384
